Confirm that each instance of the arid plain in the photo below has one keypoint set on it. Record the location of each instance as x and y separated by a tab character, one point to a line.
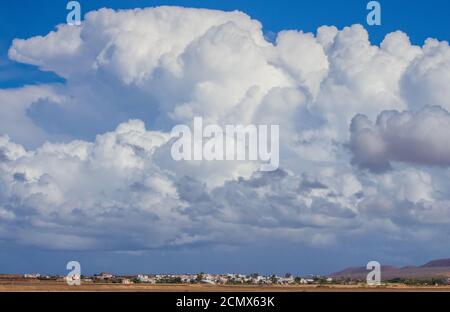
107	287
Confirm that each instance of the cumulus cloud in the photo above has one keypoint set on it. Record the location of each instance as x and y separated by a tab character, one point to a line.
419	138
79	190
14	120
426	80
87	162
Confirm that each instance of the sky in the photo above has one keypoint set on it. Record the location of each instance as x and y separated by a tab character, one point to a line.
86	111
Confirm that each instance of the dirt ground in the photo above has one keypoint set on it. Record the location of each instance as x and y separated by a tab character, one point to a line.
62	287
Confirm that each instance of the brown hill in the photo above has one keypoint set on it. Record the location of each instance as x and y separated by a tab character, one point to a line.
433	269
441	263
361	270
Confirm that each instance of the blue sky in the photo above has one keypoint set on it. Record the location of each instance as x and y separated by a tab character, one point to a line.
335	205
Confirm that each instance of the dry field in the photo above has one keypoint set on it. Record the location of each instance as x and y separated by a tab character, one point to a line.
21	286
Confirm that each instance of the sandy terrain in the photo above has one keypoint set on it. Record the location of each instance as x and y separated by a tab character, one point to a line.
62	287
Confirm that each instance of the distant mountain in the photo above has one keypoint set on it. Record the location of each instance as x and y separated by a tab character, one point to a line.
441	263
436	268
361	270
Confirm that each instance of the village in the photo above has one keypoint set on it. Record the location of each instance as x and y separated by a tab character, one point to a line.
201	278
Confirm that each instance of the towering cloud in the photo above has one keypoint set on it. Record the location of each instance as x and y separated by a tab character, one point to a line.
87	162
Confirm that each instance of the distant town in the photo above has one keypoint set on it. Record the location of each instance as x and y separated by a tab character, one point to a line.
431	274
221	279
200	278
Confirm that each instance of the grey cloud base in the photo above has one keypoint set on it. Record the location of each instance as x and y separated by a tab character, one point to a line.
420	138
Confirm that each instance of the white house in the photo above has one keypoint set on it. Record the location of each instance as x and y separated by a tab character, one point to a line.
33	275
146	279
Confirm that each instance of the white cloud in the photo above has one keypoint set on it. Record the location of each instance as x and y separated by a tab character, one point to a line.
78	190
426	79
103	181
14	120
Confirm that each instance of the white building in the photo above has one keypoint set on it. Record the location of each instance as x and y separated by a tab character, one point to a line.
33	275
306	281
146	279
105	275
